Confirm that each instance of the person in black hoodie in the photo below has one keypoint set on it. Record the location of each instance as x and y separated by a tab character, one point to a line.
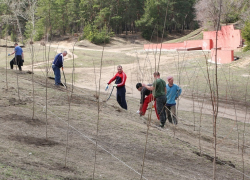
146	98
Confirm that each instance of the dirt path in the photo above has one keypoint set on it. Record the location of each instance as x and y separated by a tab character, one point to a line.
58	50
25	153
225	110
171	152
88	80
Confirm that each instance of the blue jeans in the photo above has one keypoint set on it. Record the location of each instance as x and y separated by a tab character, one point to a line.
57	74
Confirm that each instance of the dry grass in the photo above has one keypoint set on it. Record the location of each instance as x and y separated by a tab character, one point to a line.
171	152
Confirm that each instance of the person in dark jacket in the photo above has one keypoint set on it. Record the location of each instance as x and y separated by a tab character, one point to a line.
120	79
18	59
146	98
57	64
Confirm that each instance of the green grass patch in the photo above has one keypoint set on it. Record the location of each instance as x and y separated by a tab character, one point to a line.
87	58
195	35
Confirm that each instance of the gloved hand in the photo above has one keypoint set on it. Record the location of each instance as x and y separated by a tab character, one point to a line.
8	54
138	112
107	87
115	85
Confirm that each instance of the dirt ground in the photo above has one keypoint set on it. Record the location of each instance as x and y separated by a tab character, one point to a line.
70	139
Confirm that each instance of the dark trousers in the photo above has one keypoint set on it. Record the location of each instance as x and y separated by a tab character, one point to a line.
17	60
121	97
160	106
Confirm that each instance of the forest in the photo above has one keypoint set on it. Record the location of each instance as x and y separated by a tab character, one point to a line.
97	20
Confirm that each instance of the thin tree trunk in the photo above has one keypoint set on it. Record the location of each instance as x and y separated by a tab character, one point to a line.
163	31
47	71
217	97
6	56
33	88
98	111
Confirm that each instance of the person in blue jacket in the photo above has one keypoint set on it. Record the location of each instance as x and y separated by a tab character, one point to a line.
57	64
173	92
18	59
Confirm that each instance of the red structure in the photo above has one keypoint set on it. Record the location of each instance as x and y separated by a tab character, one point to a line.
223	56
200	44
228	37
228	40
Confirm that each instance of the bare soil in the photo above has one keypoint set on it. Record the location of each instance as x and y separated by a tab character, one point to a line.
69	139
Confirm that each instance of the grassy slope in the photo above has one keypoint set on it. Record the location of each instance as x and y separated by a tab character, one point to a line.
193	78
122	133
87	58
195	35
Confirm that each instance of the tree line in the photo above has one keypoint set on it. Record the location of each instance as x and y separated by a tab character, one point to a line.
60	17
97	20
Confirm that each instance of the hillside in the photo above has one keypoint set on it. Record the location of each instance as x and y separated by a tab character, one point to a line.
79	132
177	152
27	154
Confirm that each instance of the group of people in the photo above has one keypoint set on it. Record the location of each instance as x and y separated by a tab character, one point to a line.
163	95
56	65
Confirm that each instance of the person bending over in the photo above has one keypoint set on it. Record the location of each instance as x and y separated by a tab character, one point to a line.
18	59
146	98
56	65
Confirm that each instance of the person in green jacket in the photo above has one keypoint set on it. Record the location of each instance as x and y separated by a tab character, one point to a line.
159	92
